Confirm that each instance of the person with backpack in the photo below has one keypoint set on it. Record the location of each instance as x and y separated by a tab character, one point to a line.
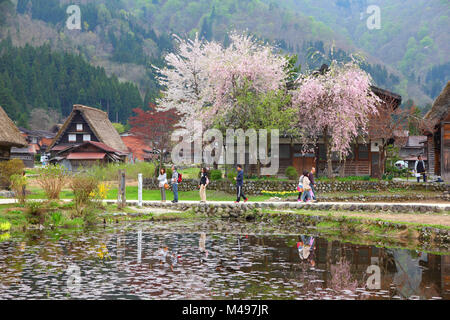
176	178
239	184
419	168
204	181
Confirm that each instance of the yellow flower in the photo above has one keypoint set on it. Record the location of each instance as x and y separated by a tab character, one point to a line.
4	236
5	226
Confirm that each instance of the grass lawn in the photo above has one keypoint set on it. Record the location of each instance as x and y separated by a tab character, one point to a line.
154	195
149	195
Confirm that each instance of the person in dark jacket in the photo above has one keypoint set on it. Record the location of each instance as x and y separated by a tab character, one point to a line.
313	184
419	167
239	184
204	181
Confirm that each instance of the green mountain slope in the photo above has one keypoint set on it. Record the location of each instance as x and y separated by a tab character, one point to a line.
406	55
414	36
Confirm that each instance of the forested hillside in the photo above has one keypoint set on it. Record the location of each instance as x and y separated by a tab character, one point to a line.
413	37
409	54
39	78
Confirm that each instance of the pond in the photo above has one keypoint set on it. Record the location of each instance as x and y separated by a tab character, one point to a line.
211	260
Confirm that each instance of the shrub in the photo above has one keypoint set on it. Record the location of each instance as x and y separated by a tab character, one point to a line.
291	173
110	172
89	214
215	175
101	192
35	213
18	185
56	218
4	225
83	188
8	169
52	179
231	175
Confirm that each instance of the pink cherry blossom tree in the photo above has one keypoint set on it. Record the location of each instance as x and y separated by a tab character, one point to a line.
246	65
336	105
203	79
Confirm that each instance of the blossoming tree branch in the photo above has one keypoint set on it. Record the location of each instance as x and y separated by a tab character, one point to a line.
248	84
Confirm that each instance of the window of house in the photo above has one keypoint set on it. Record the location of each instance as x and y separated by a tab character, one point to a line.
72	137
363	152
79	127
34	140
86	137
322	152
285	151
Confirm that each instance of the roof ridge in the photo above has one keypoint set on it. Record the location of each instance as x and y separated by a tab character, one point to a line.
83	107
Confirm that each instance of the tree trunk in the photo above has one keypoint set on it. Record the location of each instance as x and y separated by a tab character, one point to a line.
342	171
329	154
382	160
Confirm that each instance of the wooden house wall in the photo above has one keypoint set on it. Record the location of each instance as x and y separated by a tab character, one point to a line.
290	155
72	129
431	154
76	164
445	149
358	163
27	158
5	153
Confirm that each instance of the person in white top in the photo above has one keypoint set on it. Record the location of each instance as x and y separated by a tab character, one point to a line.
162	178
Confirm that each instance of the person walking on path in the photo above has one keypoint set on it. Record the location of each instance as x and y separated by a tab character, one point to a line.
300	188
175	184
419	167
313	184
162	178
239	184
306	188
204	181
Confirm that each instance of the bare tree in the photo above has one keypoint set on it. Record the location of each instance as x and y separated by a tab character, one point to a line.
387	126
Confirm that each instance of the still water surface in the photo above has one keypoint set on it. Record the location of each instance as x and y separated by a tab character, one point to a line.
200	260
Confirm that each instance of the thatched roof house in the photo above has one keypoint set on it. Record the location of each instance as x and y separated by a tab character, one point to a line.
10	136
87	124
437	122
440	109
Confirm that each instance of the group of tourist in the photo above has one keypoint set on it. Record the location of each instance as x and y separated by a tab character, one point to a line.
164	184
306	185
